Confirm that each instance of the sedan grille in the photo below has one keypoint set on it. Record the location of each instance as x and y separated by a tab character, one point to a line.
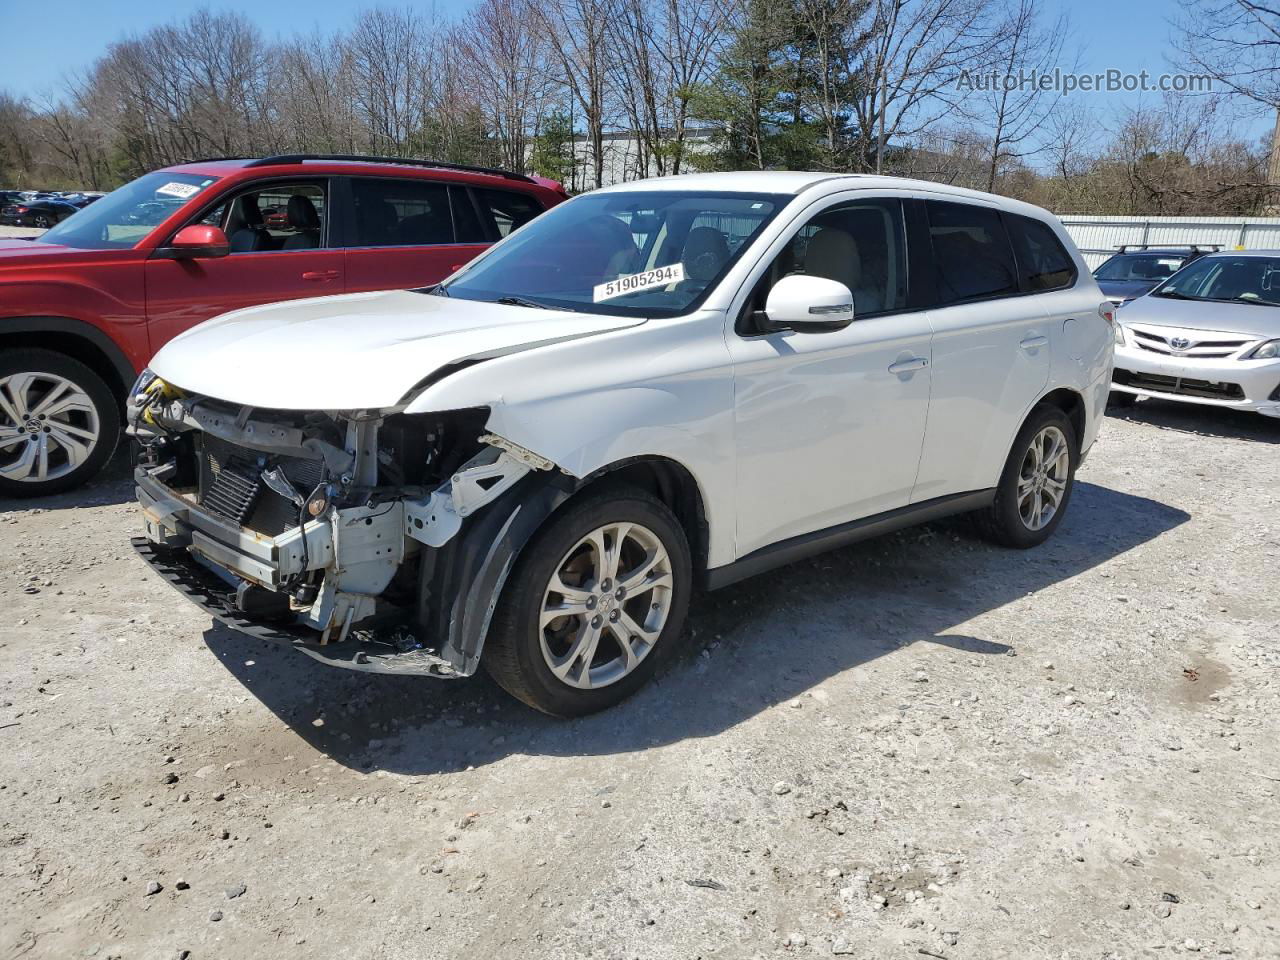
1172	346
1184	386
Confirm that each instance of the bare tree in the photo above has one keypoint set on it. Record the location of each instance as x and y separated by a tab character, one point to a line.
914	55
1027	48
577	30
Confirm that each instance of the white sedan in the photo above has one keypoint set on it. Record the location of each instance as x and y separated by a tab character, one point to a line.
1210	334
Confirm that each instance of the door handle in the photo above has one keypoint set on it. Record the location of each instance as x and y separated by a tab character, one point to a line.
1031	343
320	275
908	366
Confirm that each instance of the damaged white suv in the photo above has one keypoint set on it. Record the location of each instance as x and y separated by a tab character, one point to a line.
664	385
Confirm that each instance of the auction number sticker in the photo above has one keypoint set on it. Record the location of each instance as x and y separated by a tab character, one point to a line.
635	282
183	190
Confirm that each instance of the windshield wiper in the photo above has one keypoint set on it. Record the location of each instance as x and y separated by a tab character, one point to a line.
1254	301
522	302
1174	295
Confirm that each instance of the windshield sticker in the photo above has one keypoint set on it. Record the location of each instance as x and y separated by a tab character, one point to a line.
175	189
1168	263
635	282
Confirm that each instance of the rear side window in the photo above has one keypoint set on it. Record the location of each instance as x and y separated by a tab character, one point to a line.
508	210
971	252
392	213
1043	262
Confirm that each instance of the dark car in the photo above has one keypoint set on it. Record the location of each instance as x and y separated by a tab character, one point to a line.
36	213
1133	271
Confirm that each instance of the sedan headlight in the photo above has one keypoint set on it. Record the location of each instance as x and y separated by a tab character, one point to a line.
1264	351
1120	340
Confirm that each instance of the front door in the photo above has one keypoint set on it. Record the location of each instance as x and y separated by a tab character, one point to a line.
829	426
279	251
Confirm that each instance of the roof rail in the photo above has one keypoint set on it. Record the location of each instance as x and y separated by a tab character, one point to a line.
407	161
1193	247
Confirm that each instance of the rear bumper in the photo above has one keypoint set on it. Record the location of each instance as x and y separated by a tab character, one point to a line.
1249	385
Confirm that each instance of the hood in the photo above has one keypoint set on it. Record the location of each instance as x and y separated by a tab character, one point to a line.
355	351
18	248
1244	319
1126	289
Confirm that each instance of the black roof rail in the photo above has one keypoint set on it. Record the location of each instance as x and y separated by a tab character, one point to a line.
407	161
1192	247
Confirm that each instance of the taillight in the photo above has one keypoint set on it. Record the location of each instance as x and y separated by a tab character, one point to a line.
23	209
1107	311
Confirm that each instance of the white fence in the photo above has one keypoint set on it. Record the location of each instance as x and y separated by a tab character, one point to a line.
1098	237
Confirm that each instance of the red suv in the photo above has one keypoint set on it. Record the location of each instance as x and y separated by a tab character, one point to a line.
84	306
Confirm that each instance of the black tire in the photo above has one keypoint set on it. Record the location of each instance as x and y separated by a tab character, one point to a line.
1121	400
104	406
40	220
1003	521
513	654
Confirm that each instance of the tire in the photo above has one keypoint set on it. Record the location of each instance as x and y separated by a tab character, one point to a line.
519	654
78	433
40	220
1012	521
1121	400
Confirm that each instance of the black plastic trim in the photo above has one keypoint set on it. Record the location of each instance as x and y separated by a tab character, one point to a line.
820	541
290	158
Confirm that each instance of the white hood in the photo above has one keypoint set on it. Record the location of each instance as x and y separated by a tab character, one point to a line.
1211	316
355	351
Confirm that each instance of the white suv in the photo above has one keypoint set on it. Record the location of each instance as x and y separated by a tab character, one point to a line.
662	385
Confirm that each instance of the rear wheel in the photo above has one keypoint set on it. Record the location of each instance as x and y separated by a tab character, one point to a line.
1036	484
42	221
596	601
59	423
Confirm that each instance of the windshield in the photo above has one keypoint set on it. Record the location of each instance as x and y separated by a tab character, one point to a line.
638	254
1243	279
125	216
1140	266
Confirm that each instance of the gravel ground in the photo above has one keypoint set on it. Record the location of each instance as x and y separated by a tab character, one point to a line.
919	746
20	231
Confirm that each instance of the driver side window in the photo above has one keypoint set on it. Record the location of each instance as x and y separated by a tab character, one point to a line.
281	216
860	244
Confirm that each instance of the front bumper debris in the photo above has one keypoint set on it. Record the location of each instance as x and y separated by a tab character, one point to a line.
369	648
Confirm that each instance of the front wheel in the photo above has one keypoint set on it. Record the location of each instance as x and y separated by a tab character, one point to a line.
1036	484
41	221
596	601
59	423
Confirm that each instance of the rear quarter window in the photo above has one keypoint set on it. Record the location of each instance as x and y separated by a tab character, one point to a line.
1043	262
508	210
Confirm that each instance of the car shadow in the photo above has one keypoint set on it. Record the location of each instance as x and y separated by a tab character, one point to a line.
1200	420
748	647
113	485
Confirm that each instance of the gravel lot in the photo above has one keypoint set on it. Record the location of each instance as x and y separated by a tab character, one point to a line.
919	746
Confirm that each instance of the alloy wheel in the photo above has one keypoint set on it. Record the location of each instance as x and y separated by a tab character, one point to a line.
48	426
1043	477
606	605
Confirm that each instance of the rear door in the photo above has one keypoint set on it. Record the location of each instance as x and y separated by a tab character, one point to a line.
284	259
399	233
991	350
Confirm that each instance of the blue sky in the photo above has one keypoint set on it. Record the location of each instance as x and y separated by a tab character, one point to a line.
1129	35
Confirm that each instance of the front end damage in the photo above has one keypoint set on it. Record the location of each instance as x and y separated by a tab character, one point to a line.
370	540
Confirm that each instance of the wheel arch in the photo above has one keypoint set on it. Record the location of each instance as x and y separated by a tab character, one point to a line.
1072	404
75	338
672	483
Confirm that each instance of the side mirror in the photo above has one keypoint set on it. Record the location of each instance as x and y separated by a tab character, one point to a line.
196	242
809	305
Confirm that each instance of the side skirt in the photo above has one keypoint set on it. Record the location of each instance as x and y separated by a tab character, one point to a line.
820	541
